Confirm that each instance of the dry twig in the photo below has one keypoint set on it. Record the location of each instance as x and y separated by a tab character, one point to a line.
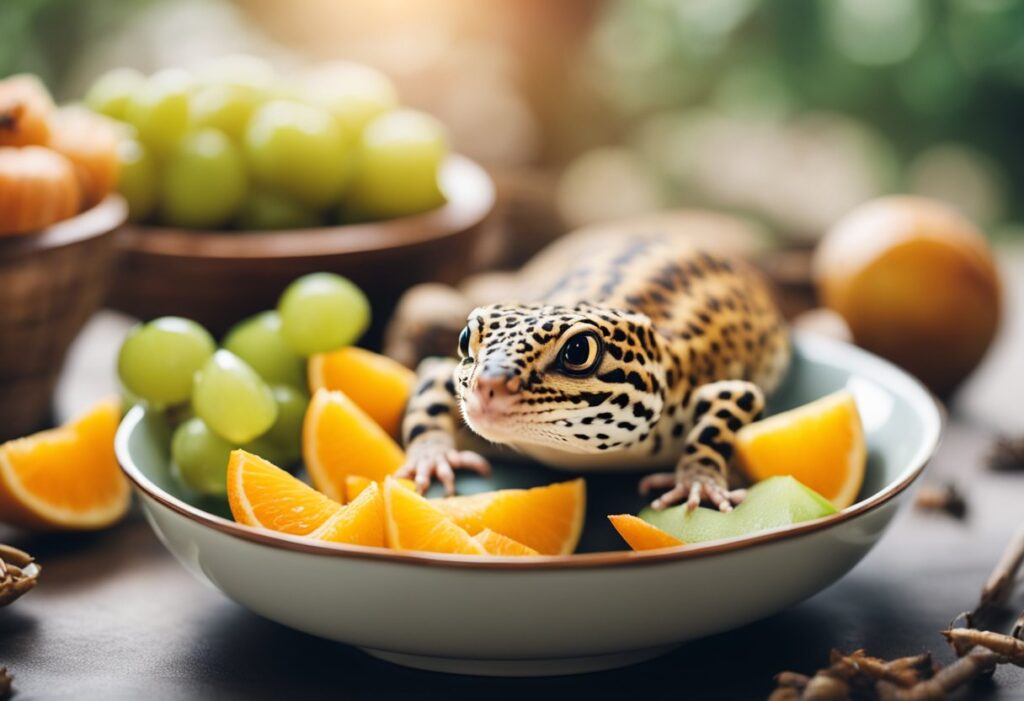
18	573
999	585
859	677
1007	454
946	497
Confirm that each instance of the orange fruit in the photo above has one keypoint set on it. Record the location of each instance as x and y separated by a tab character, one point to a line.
340	439
821	444
25	105
38	187
642	535
414	523
548	519
872	266
355	484
67	477
89	141
497	544
261	494
378	384
359	523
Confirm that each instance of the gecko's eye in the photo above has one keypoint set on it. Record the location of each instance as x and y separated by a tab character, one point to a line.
464	343
581	354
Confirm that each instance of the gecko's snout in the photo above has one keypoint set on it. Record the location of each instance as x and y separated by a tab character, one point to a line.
493	382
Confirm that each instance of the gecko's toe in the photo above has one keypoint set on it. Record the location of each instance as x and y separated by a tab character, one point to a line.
468	460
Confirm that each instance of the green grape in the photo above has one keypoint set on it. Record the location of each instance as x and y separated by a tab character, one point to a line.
112	92
263	209
298	150
204	181
158	359
321	312
159	109
200	457
353	93
138	179
399	158
232	399
286	433
259	342
225	107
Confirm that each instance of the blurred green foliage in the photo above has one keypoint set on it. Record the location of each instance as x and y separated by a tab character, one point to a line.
45	36
916	73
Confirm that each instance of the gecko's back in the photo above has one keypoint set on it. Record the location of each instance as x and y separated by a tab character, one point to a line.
715	309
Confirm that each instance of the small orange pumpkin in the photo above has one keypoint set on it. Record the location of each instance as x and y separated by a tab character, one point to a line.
25	106
37	188
90	142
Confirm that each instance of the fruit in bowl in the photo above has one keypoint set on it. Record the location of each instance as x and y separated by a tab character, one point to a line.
585	625
232	144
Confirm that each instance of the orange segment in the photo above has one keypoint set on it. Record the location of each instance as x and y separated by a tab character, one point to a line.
642	535
66	477
413	523
821	444
359	523
378	384
261	494
497	544
547	519
340	439
355	484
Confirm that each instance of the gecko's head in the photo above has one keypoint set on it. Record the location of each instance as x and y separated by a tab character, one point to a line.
578	379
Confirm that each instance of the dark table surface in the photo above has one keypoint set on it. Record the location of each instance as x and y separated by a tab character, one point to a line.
115	617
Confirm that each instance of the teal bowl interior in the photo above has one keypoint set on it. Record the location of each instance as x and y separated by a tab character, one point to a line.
902	424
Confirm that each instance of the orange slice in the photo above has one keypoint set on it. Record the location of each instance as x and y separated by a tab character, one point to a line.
378	384
642	535
340	439
359	523
821	444
261	494
67	477
497	544
413	523
547	519
355	484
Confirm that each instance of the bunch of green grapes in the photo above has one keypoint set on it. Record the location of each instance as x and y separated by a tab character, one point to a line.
250	393
234	145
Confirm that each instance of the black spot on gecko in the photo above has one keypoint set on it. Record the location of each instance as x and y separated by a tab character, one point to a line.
416	432
746	401
437	409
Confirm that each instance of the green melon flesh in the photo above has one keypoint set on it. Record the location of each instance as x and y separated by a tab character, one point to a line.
777	501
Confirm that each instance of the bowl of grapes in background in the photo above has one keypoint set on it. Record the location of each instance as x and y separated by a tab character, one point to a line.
240	178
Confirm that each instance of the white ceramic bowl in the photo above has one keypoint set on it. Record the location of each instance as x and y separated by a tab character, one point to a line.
552	615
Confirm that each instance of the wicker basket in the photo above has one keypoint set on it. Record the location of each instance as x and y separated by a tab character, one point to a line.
50	284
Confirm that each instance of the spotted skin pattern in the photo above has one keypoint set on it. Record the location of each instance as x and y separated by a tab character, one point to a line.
687	345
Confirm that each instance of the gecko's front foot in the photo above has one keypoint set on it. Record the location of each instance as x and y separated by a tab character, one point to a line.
694	483
425	460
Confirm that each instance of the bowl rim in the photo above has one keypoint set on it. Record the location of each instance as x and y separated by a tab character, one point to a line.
470	193
103	218
930	408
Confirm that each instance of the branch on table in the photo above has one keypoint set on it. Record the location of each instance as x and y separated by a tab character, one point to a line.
19	572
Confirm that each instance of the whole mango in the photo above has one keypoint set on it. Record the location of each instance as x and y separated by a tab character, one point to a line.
916	283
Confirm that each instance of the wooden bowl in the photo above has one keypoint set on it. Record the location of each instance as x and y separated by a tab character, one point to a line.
51	282
218	278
